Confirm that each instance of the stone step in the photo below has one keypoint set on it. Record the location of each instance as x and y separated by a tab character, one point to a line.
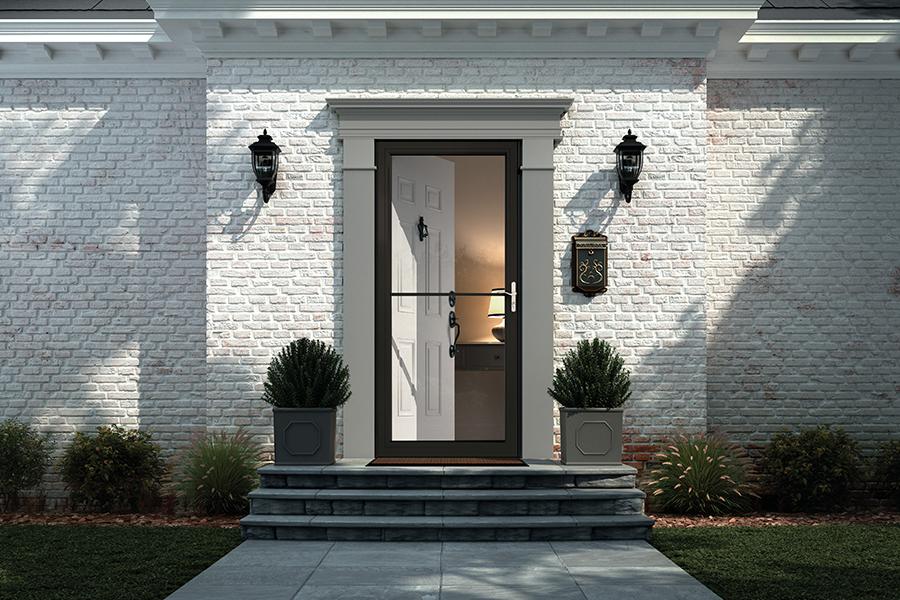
446	528
449	502
538	474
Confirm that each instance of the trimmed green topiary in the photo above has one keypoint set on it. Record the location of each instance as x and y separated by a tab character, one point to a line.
811	470
307	374
701	475
218	471
24	457
887	469
114	470
592	376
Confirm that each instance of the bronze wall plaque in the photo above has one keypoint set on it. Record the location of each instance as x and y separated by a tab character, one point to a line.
589	271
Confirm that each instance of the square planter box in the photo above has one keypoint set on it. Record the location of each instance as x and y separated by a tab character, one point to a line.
591	436
304	436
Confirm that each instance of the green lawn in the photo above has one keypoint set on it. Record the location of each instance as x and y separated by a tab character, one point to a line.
822	562
102	563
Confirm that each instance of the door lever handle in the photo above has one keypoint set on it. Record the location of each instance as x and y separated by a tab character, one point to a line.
512	293
423	229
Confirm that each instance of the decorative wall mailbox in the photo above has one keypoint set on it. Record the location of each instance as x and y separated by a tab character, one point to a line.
589	272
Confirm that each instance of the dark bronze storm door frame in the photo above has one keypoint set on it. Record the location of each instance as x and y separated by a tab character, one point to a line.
385	446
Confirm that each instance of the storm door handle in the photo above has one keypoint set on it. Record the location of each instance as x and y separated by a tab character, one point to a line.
453	322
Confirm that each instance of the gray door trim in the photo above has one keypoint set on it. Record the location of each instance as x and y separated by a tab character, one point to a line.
533	121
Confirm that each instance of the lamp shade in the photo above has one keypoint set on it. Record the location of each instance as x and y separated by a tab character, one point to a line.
497	308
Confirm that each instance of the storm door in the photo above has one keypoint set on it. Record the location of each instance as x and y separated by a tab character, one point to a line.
447	303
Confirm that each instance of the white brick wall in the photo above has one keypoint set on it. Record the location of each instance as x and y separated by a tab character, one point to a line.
101	255
273	273
105	265
803	261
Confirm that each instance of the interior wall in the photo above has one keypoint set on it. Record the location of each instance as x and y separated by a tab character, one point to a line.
480	240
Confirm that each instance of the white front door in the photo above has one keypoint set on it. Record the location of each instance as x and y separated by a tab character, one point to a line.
422	395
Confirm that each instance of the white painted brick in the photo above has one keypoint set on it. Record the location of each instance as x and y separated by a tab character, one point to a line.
803	261
120	303
654	311
102	261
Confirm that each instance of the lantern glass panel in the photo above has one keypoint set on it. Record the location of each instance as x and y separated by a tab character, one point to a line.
264	164
630	165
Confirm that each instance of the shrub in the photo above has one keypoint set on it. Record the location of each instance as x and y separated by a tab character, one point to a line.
887	469
307	374
592	376
24	457
702	475
218	471
115	469
811	470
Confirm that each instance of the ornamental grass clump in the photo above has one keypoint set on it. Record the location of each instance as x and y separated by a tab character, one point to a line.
24	457
812	470
307	374
701	475
218	472
593	375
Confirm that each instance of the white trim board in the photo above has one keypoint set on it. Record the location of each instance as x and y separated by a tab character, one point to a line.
455	9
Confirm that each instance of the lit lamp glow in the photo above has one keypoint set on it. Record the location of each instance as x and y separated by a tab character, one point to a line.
497	310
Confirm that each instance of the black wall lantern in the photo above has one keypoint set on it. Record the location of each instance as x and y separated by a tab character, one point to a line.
629	161
265	163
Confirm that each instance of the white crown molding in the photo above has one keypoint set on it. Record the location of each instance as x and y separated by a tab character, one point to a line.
454	9
797	61
93	48
457	28
80	30
870	31
807	49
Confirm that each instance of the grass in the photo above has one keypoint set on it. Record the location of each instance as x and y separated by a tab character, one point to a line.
821	562
105	563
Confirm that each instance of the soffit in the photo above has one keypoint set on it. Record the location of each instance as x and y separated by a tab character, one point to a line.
101	42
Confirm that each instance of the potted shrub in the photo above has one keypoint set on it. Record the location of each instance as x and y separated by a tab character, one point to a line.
305	384
591	386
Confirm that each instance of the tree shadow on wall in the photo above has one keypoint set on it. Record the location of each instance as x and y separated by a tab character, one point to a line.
103	232
803	307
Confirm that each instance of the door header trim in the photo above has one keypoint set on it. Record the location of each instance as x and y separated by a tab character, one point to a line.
450	118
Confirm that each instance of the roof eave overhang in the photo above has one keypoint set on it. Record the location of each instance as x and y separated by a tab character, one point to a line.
813	49
186	32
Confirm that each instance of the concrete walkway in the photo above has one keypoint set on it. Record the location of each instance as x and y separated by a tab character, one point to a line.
613	570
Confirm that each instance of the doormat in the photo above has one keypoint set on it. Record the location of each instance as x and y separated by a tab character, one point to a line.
447	462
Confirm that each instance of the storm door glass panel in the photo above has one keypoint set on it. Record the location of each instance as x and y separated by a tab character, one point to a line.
447	263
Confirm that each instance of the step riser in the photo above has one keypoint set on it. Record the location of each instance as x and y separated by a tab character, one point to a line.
397	534
265	506
447	482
